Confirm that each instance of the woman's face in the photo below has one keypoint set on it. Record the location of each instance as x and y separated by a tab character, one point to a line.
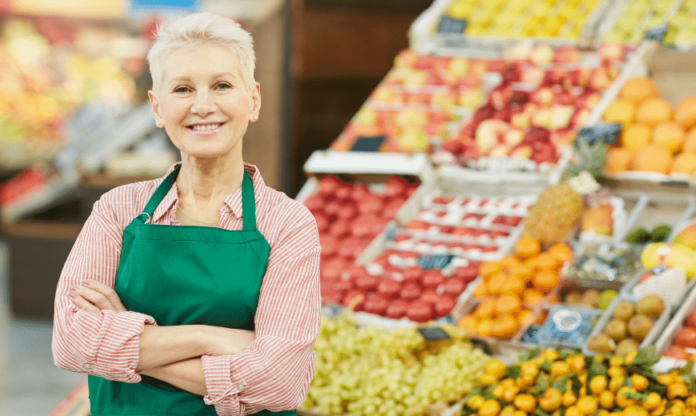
203	101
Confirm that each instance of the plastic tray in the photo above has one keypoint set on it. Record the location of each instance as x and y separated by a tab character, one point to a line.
674	325
658	325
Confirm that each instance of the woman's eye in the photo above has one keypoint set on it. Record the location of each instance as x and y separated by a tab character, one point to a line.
181	89
224	85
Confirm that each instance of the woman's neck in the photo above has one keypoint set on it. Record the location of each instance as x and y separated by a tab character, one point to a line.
203	184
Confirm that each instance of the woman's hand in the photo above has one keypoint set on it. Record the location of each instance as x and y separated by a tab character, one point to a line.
94	297
226	341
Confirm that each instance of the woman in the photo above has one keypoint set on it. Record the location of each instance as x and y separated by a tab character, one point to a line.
198	293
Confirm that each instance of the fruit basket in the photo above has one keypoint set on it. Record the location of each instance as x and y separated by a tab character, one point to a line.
628	21
653	100
657	324
483	24
681	32
608	266
675	353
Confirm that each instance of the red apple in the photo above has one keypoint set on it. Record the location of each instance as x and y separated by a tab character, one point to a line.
389	288
397	309
432	279
453	286
315	203
367	283
360	191
612	51
370	204
376	304
410	291
444	306
429	296
420	312
340	228
566	54
467	273
413	274
328	185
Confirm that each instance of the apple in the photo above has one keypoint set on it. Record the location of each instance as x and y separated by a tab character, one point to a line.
521	51
499	151
478	66
467	273
577	77
589	99
554	76
382	94
612	51
453	286
510	74
470	80
484	113
322	222
691	319
369	204
533	76
521	152
454	145
397	309
414	140
389	288
415	78
424	62
328	185
676	352
543	118
410	291
561	116
339	228
458	66
444	306
601	78
500	96
471	98
580	117
420	311
566	54
359	192
489	133
563	137
543	96
329	244
537	134
541	54
514	136
366	283
686	337
376	304
405	59
432	279
496	65
331	298
416	224
342	285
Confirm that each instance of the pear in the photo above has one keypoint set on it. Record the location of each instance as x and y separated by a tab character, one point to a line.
624	311
639	326
651	305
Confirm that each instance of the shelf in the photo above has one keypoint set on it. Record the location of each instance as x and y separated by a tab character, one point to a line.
329	161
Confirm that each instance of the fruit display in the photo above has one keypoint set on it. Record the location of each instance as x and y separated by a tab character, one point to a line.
563	20
47	71
686	235
628	325
349	216
418	102
545	97
510	288
641	235
629	21
616	263
682	28
678	341
369	371
656	136
669	255
551	382
575	294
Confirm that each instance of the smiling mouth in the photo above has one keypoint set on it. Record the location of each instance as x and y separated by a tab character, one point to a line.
204	127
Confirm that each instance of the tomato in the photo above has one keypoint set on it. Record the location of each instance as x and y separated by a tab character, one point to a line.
346	212
432	279
331	209
329	245
322	222
315	203
413	274
397	309
342	285
453	287
376	304
370	204
444	306
429	296
391	208
350	248
328	185
420	312
389	288
332	270
410	291
343	191
467	273
339	228
359	192
394	186
367	283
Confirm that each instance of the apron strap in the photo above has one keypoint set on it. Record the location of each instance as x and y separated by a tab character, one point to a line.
159	194
248	203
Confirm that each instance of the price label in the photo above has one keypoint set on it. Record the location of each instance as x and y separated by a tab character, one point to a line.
433	334
437	261
657	33
451	25
531	335
368	144
182	6
606	132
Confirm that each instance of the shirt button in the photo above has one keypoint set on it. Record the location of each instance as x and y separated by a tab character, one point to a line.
87	366
241	387
228	210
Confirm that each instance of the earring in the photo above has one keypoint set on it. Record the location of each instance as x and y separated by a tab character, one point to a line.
159	124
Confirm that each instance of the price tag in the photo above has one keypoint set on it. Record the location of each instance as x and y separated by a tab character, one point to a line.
391	231
606	132
433	334
182	6
437	261
531	336
368	144
450	25
657	33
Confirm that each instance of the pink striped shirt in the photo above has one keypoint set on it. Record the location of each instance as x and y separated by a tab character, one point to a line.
274	372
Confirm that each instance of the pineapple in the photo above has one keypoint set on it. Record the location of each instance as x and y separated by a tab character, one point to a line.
553	217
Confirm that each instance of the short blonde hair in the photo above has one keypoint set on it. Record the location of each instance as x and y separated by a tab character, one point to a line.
198	28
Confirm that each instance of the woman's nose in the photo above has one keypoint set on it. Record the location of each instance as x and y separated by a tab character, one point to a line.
202	104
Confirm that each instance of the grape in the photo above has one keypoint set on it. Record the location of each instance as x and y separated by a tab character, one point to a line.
370	371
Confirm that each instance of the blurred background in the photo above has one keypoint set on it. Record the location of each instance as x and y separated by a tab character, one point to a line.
74	123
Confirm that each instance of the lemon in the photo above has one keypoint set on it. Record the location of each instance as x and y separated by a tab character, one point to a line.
605	298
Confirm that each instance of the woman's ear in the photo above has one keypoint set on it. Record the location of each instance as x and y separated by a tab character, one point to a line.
155	108
256	102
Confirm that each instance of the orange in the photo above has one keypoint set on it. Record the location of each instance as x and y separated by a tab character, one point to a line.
669	134
545	281
514	285
654	111
652	158
685	113
481	290
496	284
562	252
485	309
638	89
505	327
635	136
684	163
531	298
620	111
689	144
526	317
527	247
509	261
490	268
468	322
507	304
522	272
546	261
618	160
484	328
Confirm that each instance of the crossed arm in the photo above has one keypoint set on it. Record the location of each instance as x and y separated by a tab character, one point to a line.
171	354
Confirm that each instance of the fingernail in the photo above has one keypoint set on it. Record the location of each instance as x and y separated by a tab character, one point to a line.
74	287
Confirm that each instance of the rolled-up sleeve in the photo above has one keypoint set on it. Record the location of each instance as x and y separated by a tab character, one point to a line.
275	371
103	344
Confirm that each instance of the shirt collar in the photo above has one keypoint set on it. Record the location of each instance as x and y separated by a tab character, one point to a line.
233	203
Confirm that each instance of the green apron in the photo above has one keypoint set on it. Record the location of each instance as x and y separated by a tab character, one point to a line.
184	275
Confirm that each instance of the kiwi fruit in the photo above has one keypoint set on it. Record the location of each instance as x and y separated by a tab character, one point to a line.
590	298
616	329
639	326
573	297
651	305
601	343
624	311
627	346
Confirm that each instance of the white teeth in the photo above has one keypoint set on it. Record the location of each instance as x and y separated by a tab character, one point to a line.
202	127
